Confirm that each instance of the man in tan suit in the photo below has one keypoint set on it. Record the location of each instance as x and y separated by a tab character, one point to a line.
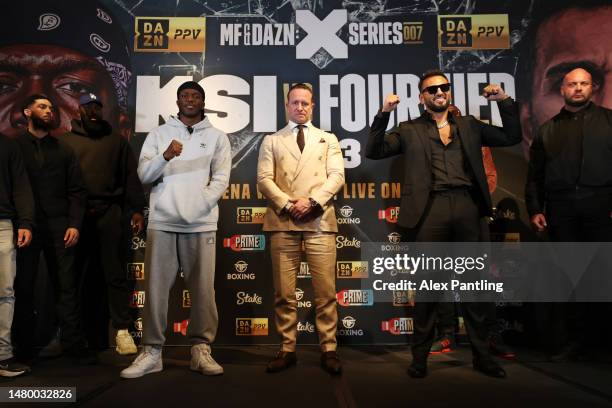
300	169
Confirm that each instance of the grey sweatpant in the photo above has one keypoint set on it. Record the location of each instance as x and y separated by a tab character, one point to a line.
7	294
165	253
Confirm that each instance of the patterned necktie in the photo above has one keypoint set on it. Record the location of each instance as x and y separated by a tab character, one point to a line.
300	137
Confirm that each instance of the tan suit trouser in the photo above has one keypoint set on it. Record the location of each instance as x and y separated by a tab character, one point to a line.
321	257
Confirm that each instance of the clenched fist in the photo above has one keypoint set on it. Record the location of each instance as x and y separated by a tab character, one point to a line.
494	92
175	149
391	102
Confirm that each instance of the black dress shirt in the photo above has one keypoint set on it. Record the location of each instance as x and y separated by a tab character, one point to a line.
55	177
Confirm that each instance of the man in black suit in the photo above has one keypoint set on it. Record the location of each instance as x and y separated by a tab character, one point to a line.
445	190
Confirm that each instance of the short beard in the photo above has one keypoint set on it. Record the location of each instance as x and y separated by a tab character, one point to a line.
92	126
39	124
435	108
576	104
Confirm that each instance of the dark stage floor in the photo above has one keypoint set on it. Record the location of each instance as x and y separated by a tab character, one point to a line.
373	377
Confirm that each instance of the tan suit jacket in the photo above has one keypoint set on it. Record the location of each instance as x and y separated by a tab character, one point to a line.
284	173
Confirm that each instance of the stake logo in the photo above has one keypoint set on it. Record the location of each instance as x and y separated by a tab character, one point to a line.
240	243
342	242
244	297
398	325
170	34
473	32
305	327
355	297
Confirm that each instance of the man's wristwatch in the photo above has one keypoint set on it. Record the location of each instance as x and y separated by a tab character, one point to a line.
313	203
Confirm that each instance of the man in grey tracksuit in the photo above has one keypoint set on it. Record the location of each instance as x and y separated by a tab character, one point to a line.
187	161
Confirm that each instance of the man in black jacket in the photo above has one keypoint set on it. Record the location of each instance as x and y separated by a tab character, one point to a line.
113	187
59	195
16	209
445	190
569	187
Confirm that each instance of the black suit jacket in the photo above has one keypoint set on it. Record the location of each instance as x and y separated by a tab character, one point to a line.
411	138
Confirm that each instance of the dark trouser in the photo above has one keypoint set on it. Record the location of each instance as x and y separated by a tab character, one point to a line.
577	220
101	244
447	318
447	312
48	237
450	216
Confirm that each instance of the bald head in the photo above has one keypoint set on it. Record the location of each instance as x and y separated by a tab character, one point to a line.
577	88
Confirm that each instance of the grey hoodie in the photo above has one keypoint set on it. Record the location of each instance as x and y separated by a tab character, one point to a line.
185	189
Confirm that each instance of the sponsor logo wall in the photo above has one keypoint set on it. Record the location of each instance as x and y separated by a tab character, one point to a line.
352	57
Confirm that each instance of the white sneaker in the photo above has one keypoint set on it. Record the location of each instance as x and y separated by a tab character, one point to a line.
202	361
125	343
147	362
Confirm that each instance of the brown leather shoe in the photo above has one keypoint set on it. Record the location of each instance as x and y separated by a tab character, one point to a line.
283	360
330	361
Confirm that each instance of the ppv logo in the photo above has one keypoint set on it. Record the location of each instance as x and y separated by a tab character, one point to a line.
473	32
181	327
355	297
173	34
398	325
245	243
390	214
135	271
250	215
403	298
352	269
251	326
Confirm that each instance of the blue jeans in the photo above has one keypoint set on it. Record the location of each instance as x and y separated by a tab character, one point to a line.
7	295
